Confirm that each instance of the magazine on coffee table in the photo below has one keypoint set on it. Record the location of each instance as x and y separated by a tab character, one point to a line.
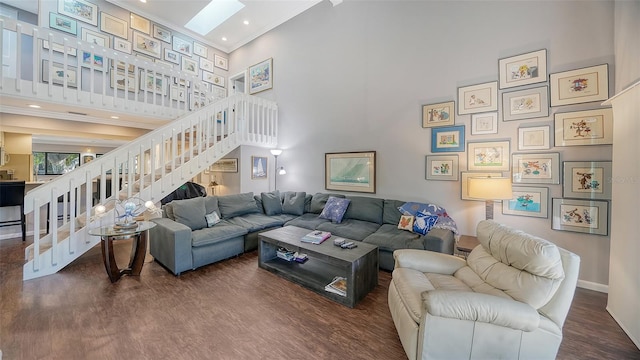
316	237
337	286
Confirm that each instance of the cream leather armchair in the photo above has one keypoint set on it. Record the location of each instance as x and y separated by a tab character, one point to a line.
508	300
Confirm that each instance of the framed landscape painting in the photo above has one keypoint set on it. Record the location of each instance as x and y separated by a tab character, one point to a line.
447	139
493	156
584	216
590	127
529	68
440	114
79	10
527	201
225	165
261	76
580	85
350	171
587	179
478	98
442	167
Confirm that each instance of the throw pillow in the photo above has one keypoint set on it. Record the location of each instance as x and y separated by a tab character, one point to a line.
334	209
423	223
237	204
190	212
212	219
406	223
271	203
413	208
294	203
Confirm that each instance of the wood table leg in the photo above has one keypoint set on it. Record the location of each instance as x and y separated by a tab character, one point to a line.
138	253
109	259
136	260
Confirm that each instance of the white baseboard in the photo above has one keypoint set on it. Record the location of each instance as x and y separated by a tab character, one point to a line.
635	341
593	286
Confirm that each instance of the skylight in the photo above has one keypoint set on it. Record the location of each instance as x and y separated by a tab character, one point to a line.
212	15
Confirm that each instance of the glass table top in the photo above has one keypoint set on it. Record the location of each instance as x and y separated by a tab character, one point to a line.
116	231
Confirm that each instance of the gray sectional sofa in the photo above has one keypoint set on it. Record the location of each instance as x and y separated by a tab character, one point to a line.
183	239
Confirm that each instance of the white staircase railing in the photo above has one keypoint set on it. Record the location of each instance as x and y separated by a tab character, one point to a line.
150	167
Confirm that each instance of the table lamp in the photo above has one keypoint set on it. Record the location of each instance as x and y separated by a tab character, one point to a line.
490	189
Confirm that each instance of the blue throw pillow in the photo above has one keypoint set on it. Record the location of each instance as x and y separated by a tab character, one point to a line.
334	209
423	223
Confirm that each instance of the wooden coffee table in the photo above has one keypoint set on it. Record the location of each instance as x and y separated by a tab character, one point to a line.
326	261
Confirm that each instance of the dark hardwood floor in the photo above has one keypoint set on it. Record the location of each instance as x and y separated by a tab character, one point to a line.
228	310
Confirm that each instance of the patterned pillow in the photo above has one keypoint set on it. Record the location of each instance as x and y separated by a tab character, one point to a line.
406	223
444	221
334	209
212	218
423	223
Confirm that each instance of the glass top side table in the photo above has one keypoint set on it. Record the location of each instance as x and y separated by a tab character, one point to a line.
109	234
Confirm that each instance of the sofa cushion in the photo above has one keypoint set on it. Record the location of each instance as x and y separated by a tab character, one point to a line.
190	212
168	211
423	223
307	203
406	223
222	231
365	209
334	209
293	203
350	228
309	221
211	204
238	204
389	238
271	203
255	222
391	214
319	200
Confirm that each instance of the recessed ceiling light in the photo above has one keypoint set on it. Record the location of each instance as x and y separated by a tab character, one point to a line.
246	22
115	117
224	38
34	106
212	15
143	1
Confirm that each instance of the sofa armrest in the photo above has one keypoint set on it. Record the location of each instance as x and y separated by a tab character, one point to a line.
170	245
481	307
440	240
428	261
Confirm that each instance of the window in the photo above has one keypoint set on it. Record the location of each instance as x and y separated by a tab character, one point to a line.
54	163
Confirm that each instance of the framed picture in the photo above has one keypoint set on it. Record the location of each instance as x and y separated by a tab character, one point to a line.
122	81
221	62
114	26
534	138
580	85
486	123
200	50
440	114
447	139
584	216
59	74
261	76
152	82
217	80
206	64
121	66
196	101
478	98
62	23
464	183
171	56
189	66
350	171
161	33
122	45
147	45
527	201
485	156
95	38
525	104
442	167
221	117
59	48
141	24
79	10
587	179
87	158
542	168
525	69
258	167
590	127
178	93
182	46
94	61
225	165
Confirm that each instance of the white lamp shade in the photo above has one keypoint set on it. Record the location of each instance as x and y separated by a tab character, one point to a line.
276	152
490	188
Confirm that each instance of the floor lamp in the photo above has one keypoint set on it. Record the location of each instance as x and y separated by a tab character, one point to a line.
490	189
278	170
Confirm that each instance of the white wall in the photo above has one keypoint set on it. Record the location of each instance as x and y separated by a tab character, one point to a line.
354	78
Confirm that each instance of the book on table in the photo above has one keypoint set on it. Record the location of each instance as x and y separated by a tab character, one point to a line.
337	286
316	237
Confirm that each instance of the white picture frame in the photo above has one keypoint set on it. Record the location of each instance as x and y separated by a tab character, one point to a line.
122	45
206	64
221	62
140	24
114	26
147	45
96	38
488	156
200	50
189	66
534	138
478	98
162	33
182	46
79	10
484	123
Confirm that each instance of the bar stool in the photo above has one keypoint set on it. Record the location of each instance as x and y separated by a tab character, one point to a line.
12	194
